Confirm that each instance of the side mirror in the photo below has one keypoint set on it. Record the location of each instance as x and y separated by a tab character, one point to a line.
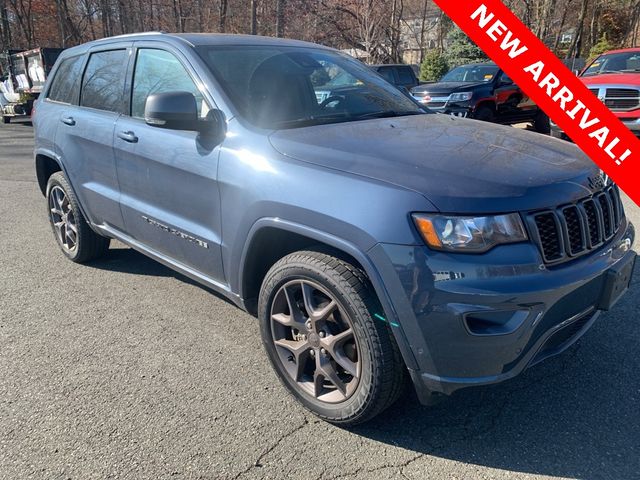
504	83
172	110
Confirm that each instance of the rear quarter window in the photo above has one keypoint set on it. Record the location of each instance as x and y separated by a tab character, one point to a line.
103	81
64	88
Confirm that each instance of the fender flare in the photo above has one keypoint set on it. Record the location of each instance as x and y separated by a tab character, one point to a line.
56	158
349	248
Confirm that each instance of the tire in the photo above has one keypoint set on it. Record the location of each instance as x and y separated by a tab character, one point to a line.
367	354
484	113
6	120
542	124
65	216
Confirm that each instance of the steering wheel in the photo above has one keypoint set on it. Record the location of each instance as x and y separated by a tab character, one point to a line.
331	99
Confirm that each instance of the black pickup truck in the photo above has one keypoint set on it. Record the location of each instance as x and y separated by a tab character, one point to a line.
484	92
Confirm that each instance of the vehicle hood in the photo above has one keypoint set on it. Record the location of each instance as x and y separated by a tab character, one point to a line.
446	88
459	165
631	79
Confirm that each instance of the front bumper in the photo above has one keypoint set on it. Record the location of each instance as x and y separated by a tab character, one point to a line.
479	319
444	105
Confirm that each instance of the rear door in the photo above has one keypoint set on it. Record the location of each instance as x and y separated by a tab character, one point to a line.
511	102
85	134
62	96
168	178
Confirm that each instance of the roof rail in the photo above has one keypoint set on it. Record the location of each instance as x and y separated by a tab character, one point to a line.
125	35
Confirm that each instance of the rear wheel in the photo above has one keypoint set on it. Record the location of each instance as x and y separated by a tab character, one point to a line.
320	334
74	236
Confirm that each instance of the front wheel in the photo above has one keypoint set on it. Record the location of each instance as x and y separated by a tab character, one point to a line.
541	123
485	114
327	339
6	120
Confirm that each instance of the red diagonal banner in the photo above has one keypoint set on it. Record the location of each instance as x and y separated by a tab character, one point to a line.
549	83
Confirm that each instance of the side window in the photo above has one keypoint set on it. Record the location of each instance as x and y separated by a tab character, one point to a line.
65	84
505	79
405	75
158	71
103	81
387	74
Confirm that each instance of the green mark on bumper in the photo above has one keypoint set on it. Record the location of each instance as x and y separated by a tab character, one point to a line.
380	317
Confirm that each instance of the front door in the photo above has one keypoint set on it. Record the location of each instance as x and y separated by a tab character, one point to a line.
169	193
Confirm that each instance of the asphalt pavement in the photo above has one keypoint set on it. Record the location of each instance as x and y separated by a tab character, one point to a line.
124	369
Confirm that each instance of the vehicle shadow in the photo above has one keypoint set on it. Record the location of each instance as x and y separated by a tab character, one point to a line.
128	260
575	415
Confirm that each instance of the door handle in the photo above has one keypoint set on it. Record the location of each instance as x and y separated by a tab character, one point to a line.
68	121
128	137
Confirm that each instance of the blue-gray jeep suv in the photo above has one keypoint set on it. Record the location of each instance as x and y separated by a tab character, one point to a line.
370	238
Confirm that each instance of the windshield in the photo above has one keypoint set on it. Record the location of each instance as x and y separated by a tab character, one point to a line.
625	62
471	74
288	87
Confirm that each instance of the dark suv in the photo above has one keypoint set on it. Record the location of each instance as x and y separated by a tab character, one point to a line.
402	76
484	92
373	241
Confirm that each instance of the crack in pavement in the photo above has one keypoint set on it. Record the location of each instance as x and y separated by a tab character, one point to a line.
359	470
270	449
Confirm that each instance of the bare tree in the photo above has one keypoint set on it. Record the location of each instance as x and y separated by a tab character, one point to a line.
280	17
254	17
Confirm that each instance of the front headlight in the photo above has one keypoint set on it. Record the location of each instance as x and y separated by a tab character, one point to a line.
469	234
461	97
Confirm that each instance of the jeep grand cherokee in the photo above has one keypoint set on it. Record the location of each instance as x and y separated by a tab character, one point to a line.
373	241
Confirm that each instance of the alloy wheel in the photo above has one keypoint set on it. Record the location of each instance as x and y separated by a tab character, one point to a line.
315	341
63	219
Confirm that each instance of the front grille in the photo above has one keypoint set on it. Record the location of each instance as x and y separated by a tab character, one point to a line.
622	98
622	92
549	234
574	230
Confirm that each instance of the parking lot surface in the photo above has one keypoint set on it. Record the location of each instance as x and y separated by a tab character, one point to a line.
124	369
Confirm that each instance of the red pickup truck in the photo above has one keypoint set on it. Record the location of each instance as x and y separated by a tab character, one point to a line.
614	77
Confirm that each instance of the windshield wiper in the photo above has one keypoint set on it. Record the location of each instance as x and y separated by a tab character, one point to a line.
312	120
342	117
387	114
601	72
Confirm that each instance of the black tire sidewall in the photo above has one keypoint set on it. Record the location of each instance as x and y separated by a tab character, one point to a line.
355	406
86	238
484	114
542	123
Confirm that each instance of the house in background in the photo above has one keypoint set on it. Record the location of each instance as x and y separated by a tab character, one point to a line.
419	35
